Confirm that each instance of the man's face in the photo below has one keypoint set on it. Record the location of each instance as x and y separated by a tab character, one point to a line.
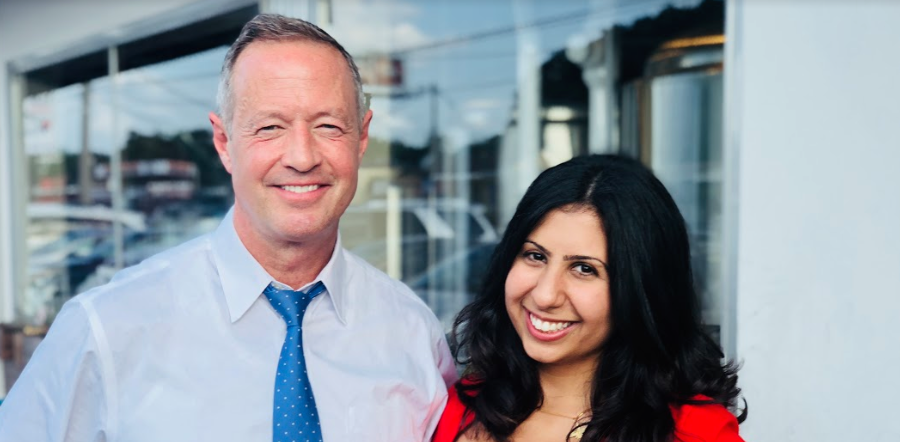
295	142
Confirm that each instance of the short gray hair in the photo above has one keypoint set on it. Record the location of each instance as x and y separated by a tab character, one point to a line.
278	28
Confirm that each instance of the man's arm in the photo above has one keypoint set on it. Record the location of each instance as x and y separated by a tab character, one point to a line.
61	394
443	360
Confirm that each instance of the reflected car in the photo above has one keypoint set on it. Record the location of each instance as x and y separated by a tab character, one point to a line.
430	231
453	282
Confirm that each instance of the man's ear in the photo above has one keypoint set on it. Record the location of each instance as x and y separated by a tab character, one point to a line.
220	140
364	134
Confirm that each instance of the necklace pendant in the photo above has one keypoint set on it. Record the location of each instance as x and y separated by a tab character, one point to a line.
578	432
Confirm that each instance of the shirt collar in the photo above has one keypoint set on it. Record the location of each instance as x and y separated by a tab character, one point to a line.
244	279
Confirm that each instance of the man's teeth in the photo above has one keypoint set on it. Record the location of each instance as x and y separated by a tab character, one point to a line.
547	326
300	189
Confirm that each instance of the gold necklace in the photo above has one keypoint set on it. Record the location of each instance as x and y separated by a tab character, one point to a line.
579	432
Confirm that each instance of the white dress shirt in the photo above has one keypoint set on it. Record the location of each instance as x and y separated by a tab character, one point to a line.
184	347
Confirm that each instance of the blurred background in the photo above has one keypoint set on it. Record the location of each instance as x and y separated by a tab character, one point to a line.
771	123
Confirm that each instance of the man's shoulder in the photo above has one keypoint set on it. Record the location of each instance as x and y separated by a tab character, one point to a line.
153	276
360	271
384	289
184	253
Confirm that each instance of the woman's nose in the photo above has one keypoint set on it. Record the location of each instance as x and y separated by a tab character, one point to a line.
548	293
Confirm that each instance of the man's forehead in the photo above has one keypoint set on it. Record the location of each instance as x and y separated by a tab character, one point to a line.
286	73
270	63
304	50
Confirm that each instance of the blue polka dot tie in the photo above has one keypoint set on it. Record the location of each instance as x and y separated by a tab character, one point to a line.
294	417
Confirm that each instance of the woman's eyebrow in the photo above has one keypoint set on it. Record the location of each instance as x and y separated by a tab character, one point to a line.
566	257
583	258
542	248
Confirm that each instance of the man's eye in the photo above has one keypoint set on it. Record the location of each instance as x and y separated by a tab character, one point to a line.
268	129
331	129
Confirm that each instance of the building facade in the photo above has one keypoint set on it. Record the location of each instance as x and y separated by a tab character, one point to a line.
769	123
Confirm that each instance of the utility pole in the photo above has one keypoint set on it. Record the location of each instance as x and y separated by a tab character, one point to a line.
86	159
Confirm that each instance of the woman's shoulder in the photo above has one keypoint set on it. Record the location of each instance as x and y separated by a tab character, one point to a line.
704	423
451	419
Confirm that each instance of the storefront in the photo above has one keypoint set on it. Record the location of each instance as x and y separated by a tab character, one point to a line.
110	157
772	123
112	161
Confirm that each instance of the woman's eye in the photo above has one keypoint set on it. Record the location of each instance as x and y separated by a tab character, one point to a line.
585	269
533	256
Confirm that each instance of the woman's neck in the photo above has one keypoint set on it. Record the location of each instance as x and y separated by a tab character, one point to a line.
567	388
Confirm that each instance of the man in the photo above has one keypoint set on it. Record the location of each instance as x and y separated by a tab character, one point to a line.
210	340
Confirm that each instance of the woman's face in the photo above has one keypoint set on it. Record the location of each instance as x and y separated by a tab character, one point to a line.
557	291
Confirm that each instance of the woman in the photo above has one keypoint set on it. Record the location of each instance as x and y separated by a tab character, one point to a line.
588	326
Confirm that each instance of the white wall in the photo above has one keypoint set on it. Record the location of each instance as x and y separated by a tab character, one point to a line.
817	95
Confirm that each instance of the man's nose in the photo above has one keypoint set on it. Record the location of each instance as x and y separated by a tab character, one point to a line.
301	152
549	292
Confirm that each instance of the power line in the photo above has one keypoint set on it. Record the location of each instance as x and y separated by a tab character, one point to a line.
583	14
493	33
478	86
176	93
481	56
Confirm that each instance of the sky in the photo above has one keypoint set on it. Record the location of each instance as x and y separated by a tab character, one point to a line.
469	50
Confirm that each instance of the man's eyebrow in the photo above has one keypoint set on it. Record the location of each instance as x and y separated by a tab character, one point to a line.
268	114
256	117
335	113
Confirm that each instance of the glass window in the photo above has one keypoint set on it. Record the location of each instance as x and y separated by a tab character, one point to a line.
473	99
120	160
68	146
172	177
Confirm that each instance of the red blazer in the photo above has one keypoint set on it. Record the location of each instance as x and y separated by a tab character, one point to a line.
693	423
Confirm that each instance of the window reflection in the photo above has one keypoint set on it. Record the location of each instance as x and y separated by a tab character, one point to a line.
473	99
171	173
68	151
152	121
675	126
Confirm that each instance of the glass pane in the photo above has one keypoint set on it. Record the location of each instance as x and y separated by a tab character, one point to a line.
172	177
68	146
152	123
473	99
687	108
674	120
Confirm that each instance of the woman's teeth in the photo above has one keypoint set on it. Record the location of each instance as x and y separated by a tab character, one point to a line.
300	189
547	326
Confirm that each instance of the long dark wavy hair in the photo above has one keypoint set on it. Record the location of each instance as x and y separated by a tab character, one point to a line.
657	353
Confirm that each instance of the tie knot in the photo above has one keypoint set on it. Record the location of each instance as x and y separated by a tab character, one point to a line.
290	304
